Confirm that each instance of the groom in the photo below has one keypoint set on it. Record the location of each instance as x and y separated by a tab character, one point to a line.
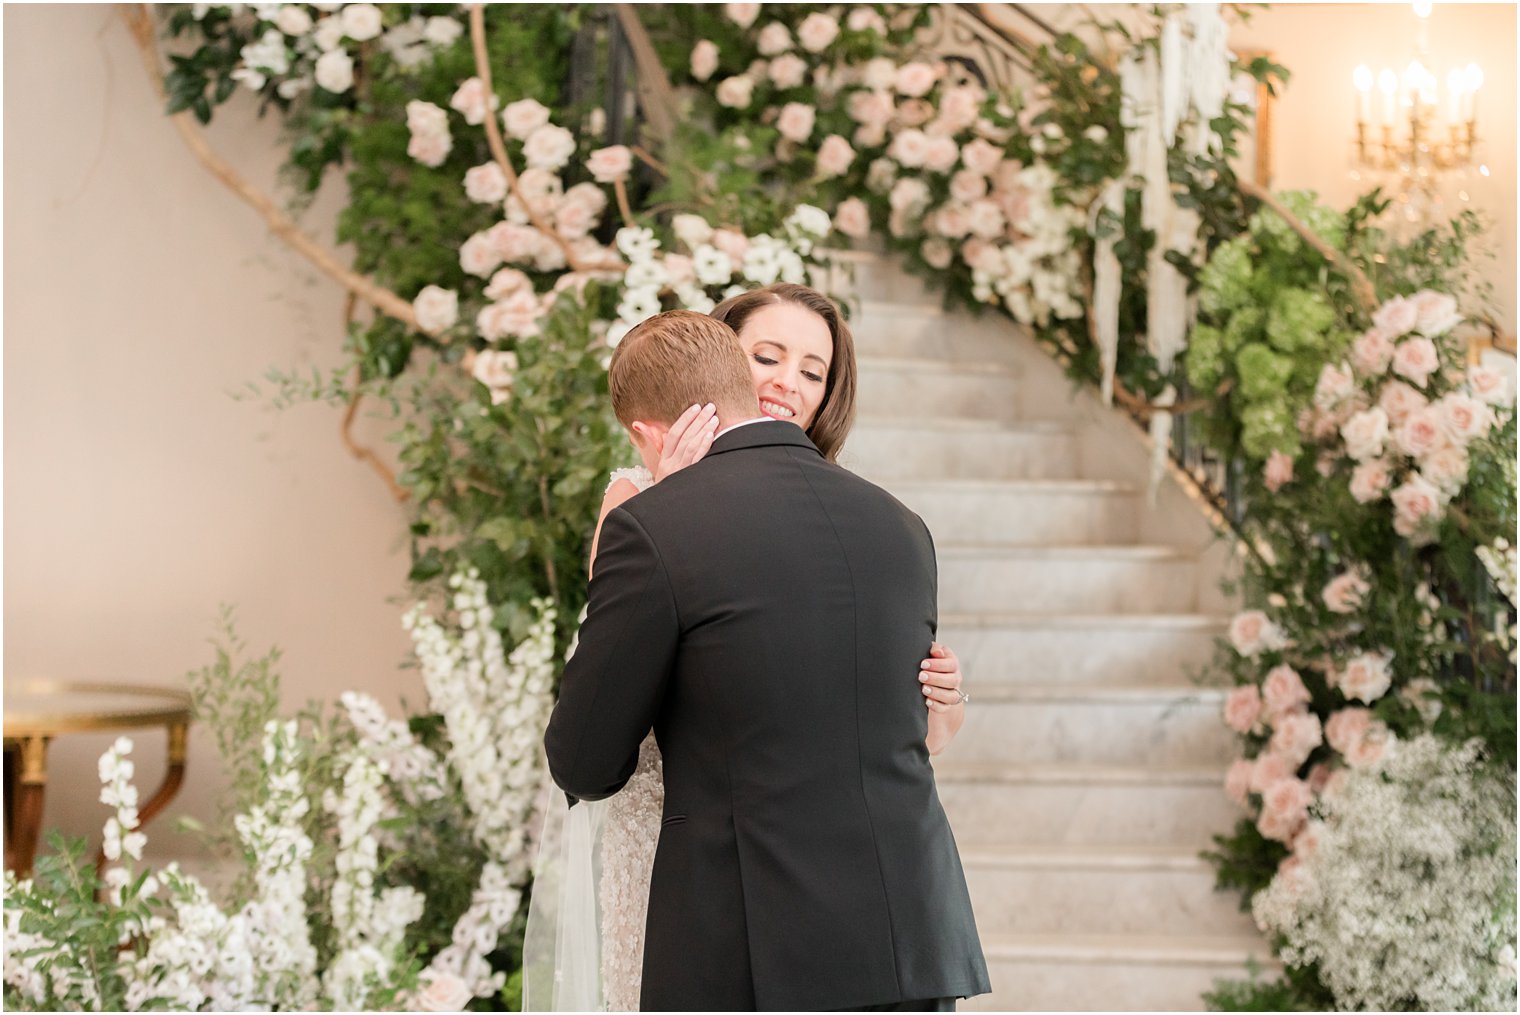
764	611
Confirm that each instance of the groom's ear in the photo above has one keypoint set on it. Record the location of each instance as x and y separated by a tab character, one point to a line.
645	435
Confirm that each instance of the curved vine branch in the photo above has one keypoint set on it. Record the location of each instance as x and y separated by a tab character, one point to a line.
498	147
140	24
359	451
1361	285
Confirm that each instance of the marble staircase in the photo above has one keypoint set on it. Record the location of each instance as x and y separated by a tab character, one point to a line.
1089	773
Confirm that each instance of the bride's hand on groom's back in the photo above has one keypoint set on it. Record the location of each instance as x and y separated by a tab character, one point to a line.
940	677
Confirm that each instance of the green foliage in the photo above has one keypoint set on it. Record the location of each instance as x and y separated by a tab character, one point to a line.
1295	989
1245	861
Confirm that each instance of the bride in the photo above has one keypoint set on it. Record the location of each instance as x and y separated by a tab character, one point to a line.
802	358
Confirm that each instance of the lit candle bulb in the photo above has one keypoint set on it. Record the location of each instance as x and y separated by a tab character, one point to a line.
1362	78
1388	84
1422	9
1456	82
1474	82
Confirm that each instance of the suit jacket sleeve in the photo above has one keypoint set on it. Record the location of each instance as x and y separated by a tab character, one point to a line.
613	685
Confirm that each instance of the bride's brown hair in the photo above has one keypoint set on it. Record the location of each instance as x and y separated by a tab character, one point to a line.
836	413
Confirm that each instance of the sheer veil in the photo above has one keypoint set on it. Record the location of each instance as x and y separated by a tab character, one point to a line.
562	947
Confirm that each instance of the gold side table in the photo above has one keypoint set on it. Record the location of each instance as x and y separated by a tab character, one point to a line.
38	710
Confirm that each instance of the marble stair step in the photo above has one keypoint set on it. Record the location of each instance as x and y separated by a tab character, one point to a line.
868	275
1024	512
1111	972
1094	805
1094	579
1098	890
1141	726
1081	649
898	326
924	387
897	446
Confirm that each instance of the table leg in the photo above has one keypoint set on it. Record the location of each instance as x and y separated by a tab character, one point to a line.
24	793
179	737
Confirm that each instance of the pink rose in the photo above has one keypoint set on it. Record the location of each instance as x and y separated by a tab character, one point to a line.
431	149
987	219
936	253
1416	359
872	109
1284	809
1421	433
787	71
681	269
588	194
1446	469
1242	708
436	308
540	187
1319	775
981	157
549	147
479	255
817	31
1398	400
1396	317
485	184
1296	735
731	242
865	19
735	92
1436	312
1365	433
852	218
742	15
1369	480
1269	769
873	136
959	106
1237	781
506	282
512	242
1335	383
915	112
1490	385
941	154
574	219
1307	841
1372	352
774	39
1344	728
1424	695
1371	748
909	195
796	121
1252	633
517	315
981	255
470	100
915	79
609	164
1345	592
704	59
951	220
1464	418
910	148
1366	677
1278	470
1415	503
834	156
966	186
879	73
523	117
1283	690
494	369
442	992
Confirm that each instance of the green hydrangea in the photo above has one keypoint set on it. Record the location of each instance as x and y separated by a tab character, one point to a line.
1226	278
1263	373
1245	325
1298	320
1268	427
1325	222
1205	357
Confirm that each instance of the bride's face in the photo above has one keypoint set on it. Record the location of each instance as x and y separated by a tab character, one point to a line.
790	350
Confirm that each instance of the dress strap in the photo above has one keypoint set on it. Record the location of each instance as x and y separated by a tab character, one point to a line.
638	476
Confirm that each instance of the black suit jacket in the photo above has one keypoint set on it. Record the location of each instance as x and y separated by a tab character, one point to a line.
765	612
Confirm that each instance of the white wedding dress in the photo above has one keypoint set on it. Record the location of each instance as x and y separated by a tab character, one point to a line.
591	886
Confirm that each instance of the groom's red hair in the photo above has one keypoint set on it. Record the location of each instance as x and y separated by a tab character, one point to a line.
676	360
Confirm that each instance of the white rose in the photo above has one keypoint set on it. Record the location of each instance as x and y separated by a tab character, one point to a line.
735	92
915	79
1399	400
439	991
704	59
1395	317
1416	359
442	31
549	147
866	19
479	255
910	148
1491	385
610	164
817	31
328	34
1365	678
941	154
523	117
494	369
1334	385
361	22
796	121
293	20
436	308
967	186
485	184
1465	418
1365	433
774	39
335	71
879	74
1369	480
507	282
1446	469
469	100
691	230
909	195
1436	312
